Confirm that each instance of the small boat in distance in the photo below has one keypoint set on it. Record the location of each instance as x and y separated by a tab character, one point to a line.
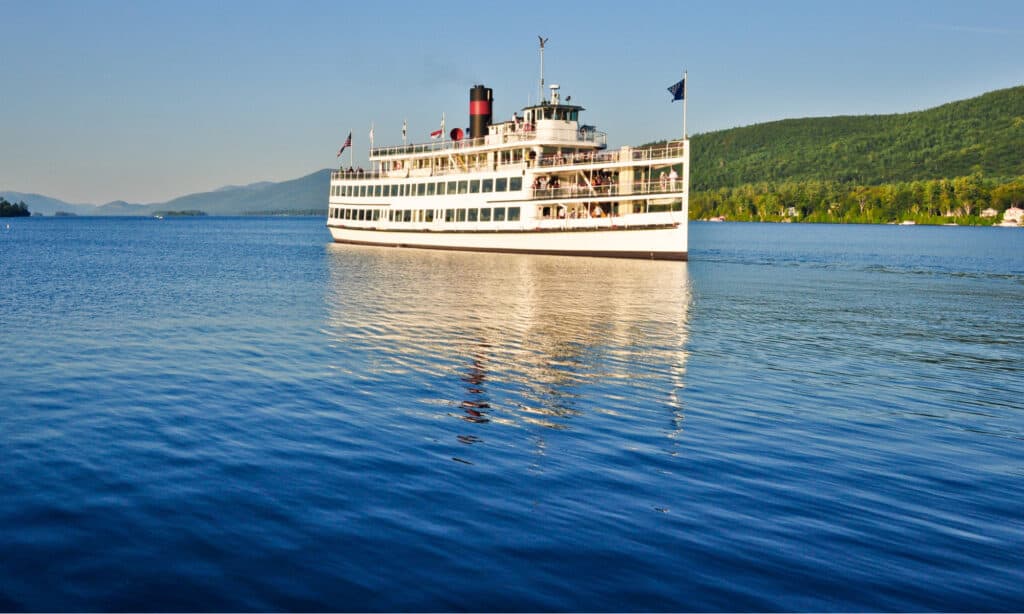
540	182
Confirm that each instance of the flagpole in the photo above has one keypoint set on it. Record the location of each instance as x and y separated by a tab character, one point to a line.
351	150
684	104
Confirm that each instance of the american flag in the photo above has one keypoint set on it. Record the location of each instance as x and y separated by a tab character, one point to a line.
347	143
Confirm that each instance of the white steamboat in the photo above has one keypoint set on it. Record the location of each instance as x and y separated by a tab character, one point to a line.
540	183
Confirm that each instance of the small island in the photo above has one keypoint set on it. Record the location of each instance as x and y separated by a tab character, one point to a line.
8	209
185	213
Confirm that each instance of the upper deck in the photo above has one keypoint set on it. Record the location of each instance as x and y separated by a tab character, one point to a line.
670	153
508	136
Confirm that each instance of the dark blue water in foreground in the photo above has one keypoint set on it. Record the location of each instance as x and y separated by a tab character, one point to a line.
234	414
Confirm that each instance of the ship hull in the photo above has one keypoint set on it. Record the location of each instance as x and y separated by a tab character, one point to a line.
667	242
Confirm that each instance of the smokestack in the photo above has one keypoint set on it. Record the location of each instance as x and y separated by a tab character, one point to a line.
480	99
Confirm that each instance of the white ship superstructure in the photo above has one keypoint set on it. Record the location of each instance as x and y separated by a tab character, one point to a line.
540	182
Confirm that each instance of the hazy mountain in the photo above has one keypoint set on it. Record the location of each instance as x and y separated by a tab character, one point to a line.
302	194
37	203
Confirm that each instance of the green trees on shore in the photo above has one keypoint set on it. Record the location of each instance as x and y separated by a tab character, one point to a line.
8	209
960	200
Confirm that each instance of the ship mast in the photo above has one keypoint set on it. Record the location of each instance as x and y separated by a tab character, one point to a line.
543	41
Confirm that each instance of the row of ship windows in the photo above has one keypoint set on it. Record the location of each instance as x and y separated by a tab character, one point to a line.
471	214
432	188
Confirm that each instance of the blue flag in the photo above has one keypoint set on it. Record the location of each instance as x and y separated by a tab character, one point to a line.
678	90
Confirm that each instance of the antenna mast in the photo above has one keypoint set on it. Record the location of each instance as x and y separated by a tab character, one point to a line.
543	41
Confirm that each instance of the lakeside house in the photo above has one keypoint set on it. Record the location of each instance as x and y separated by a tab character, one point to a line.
1012	217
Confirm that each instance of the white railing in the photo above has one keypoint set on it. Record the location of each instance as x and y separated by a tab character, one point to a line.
521	136
610	189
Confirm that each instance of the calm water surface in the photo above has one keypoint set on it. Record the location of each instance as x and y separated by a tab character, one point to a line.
235	414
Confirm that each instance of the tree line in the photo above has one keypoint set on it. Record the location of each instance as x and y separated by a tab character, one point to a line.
8	209
961	200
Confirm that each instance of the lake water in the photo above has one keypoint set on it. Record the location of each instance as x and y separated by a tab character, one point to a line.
236	414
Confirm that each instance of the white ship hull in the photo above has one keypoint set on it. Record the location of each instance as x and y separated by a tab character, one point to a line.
664	239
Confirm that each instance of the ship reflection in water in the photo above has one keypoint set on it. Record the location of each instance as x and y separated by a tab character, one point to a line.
530	342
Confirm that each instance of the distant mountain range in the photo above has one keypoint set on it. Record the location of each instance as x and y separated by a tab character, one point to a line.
305	194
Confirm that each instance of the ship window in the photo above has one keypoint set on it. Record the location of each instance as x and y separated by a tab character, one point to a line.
462	187
474	186
376	215
513	214
574	116
376	190
407	215
460	215
440	187
488	185
421	189
515	184
473	213
485	214
431	188
449	215
430	215
499	214
386	190
451	187
501	184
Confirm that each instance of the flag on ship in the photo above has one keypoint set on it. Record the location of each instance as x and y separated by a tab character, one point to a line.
405	128
347	143
439	132
678	90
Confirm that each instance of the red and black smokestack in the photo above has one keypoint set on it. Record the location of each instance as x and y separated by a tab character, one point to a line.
480	99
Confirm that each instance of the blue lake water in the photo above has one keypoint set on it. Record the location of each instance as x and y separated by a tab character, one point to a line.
236	414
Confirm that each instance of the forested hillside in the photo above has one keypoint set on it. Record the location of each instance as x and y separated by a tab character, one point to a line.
958	139
947	164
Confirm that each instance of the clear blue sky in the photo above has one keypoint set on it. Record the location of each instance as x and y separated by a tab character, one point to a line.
144	101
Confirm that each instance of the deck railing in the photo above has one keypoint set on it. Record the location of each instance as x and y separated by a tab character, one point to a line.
609	189
522	136
664	152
